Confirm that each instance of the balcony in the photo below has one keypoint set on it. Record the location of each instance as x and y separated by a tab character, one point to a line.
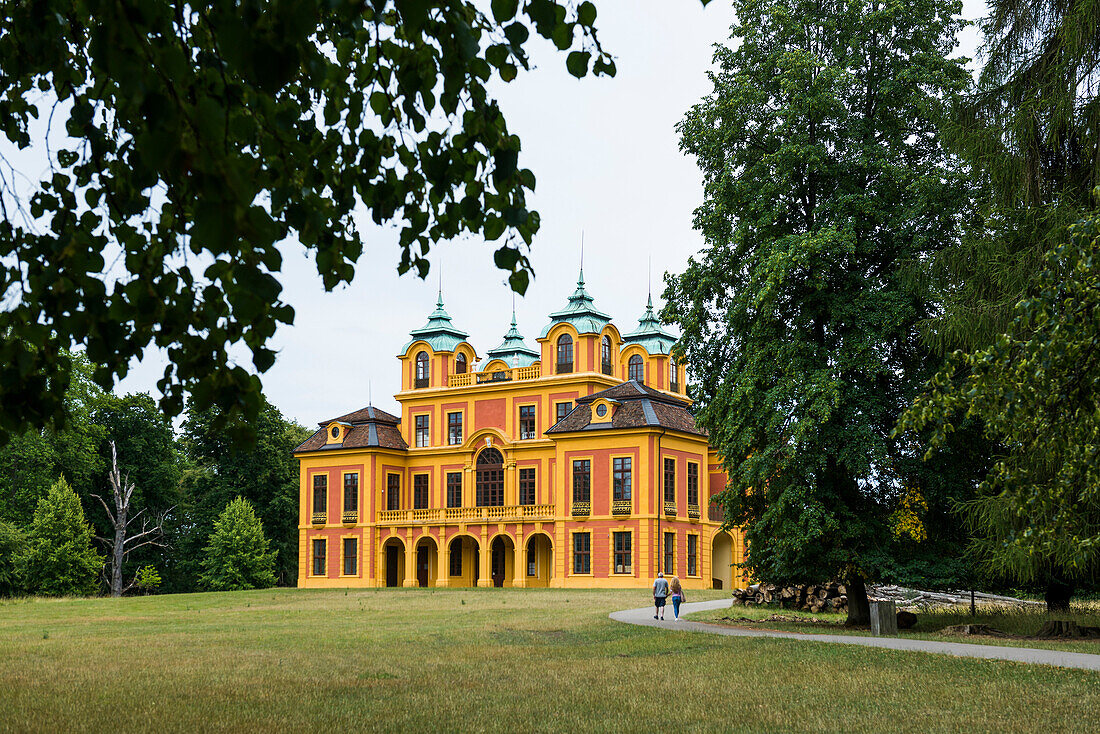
670	508
620	507
499	513
693	511
420	382
715	513
320	518
581	509
485	378
350	518
606	368
564	368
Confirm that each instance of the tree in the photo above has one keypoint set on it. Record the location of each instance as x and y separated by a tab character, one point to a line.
823	181
200	137
1037	393
266	475
124	542
59	559
13	544
237	557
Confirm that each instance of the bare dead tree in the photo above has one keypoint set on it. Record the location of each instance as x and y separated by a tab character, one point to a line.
151	533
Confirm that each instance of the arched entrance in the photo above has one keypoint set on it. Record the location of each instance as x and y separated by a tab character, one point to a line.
721	566
502	561
393	561
427	561
538	560
490	478
463	561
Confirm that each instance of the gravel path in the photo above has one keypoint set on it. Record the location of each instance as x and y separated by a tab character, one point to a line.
1080	660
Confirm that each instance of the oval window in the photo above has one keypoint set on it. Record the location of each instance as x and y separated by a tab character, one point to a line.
601	410
336	432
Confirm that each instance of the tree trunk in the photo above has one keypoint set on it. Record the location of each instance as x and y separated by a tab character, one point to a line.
118	552
1057	595
859	607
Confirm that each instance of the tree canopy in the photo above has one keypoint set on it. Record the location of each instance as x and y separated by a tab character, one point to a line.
237	557
824	179
202	136
59	559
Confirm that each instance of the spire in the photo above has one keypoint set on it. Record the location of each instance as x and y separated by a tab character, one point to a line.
514	350
585	318
439	332
649	333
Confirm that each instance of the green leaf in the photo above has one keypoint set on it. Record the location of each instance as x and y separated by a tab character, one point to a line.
577	63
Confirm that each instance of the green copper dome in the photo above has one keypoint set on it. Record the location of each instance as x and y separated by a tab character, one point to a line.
439	332
513	350
579	313
649	334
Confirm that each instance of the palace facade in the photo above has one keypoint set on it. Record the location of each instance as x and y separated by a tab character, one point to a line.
575	463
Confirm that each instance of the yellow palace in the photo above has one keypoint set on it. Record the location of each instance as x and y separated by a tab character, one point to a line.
573	464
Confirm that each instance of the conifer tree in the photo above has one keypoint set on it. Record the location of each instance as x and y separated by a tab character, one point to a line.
60	560
237	557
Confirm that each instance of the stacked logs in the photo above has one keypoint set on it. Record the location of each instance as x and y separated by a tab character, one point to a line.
815	598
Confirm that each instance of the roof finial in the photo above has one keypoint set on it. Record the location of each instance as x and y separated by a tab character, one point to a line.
580	278
649	279
370	401
439	301
513	309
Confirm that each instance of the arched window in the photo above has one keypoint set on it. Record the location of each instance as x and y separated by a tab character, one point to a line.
635	369
490	478
460	364
421	369
673	375
565	354
605	354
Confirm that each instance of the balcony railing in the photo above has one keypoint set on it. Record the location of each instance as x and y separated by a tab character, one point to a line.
420	382
693	511
581	509
564	368
351	517
482	378
320	518
606	368
670	508
715	513
497	513
620	507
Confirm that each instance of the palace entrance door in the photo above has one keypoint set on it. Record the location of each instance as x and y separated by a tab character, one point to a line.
422	570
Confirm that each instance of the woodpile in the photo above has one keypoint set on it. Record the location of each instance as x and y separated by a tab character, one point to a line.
815	598
906	598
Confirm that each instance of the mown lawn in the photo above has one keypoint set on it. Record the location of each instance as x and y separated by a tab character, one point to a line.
1021	624
480	660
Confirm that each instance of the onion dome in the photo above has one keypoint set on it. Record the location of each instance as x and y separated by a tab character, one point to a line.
579	313
649	334
440	334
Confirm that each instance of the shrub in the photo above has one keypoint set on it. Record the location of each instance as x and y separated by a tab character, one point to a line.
237	556
59	559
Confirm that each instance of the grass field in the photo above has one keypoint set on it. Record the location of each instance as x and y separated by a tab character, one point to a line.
1021	624
480	660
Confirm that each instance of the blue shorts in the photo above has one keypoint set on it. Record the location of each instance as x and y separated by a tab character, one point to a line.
658	601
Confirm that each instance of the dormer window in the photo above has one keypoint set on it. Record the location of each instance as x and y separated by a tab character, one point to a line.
565	354
602	411
335	432
421	369
460	364
636	369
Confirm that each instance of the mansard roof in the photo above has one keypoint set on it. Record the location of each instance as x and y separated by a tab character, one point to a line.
649	335
440	334
639	407
514	346
370	428
579	313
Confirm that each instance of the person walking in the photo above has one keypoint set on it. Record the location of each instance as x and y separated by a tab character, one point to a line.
678	596
660	592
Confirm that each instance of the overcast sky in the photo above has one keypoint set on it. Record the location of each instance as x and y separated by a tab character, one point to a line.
606	157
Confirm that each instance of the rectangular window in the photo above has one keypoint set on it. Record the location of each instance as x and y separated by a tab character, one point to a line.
582	553
319	557
622	479
693	484
527	486
420	492
454	489
622	552
454	428
351	493
670	553
456	558
320	494
351	556
393	491
582	480
563	410
422	430
527	422
693	555
670	480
